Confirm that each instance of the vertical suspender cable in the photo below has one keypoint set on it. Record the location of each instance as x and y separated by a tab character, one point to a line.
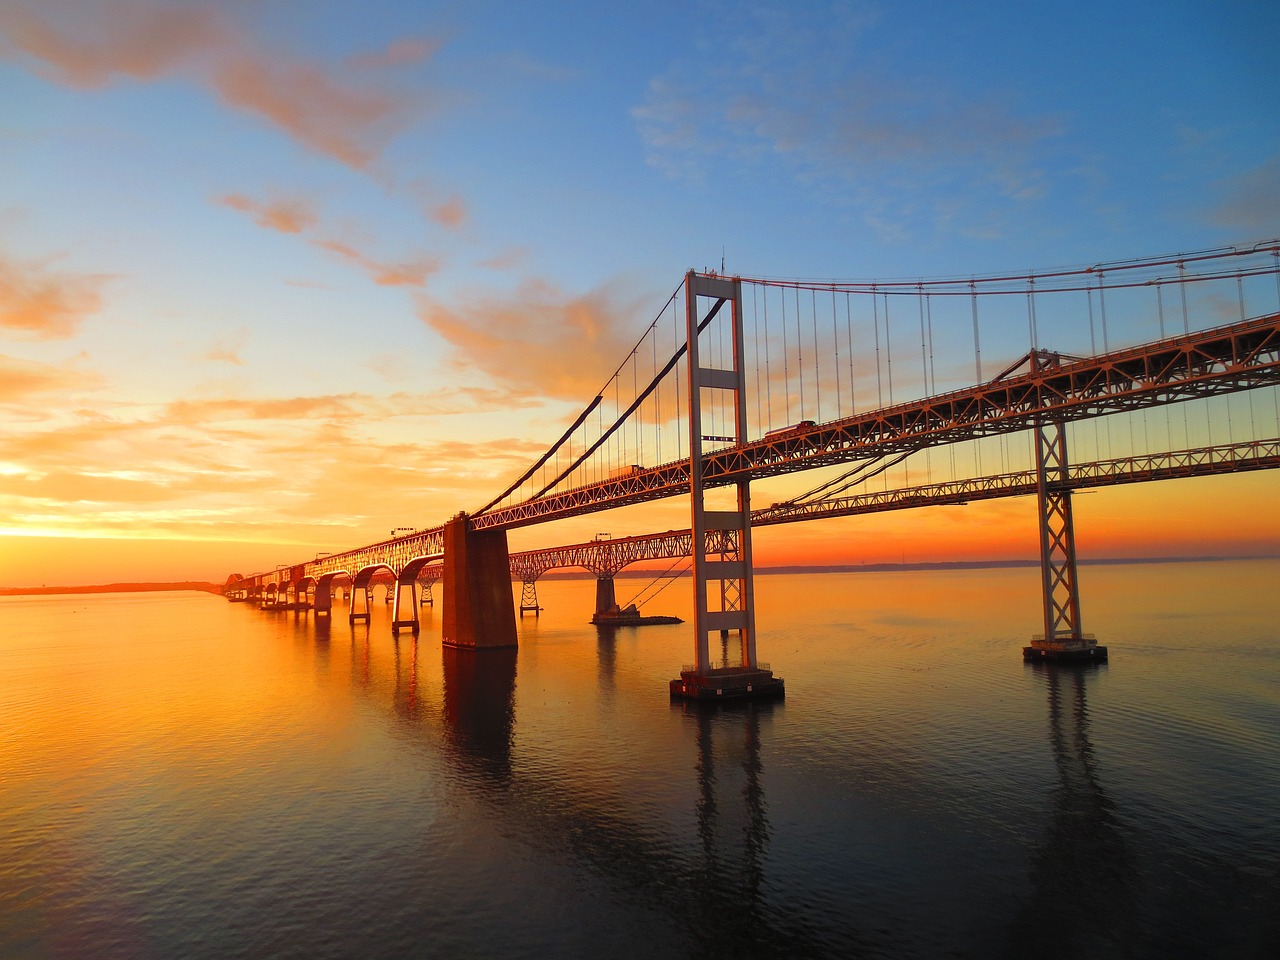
977	345
768	380
924	375
888	348
1168	417
1031	312
977	360
1248	393
835	338
875	322
786	364
848	323
817	374
755	348
1275	391
1102	308
799	351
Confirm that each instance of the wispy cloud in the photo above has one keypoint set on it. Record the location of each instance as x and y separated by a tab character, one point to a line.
406	273
226	349
399	53
541	340
21	379
321	106
297	215
451	214
802	87
507	259
1251	200
41	303
285	214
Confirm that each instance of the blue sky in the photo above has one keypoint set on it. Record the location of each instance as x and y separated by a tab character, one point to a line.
258	258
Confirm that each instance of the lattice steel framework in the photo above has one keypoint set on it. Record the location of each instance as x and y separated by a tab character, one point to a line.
1057	535
1208	363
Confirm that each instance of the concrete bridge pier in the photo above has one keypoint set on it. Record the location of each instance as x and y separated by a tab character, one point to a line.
324	598
405	613
479	612
360	597
606	596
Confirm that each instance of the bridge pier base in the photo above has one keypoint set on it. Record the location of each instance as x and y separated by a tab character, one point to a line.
479	611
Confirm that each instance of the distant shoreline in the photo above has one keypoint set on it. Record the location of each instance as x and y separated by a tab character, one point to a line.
216	588
200	585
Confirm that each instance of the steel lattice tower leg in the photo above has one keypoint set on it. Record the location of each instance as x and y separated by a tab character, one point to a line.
728	564
529	598
1062	639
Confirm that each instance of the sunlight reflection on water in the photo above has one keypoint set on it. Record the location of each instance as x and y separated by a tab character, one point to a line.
180	776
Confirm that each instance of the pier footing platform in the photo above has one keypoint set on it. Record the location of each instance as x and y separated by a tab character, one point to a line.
1086	650
728	683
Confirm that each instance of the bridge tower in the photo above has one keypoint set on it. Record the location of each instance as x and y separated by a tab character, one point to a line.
1062	639
724	574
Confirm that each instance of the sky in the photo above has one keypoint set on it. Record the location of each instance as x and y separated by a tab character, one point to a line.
279	277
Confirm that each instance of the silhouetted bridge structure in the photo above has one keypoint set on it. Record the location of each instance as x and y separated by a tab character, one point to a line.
714	397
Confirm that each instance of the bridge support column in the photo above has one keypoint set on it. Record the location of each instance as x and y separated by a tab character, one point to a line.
427	600
529	598
479	611
1062	639
361	596
405	582
727	563
606	597
324	598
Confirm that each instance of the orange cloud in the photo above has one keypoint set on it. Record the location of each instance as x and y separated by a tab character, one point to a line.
22	378
452	213
409	273
90	44
287	215
83	45
349	124
44	304
541	340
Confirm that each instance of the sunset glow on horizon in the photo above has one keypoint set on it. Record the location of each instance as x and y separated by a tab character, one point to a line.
279	278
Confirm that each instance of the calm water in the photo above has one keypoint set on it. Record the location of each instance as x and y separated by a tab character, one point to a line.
183	777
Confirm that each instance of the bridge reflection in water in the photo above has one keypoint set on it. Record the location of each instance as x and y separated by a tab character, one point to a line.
1083	867
707	868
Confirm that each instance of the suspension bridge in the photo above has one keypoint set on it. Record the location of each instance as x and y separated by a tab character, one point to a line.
1170	366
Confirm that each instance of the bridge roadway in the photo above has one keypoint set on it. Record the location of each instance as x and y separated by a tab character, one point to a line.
606	557
1239	356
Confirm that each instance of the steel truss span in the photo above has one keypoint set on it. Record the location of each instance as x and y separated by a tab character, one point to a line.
1241	356
606	557
1223	360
